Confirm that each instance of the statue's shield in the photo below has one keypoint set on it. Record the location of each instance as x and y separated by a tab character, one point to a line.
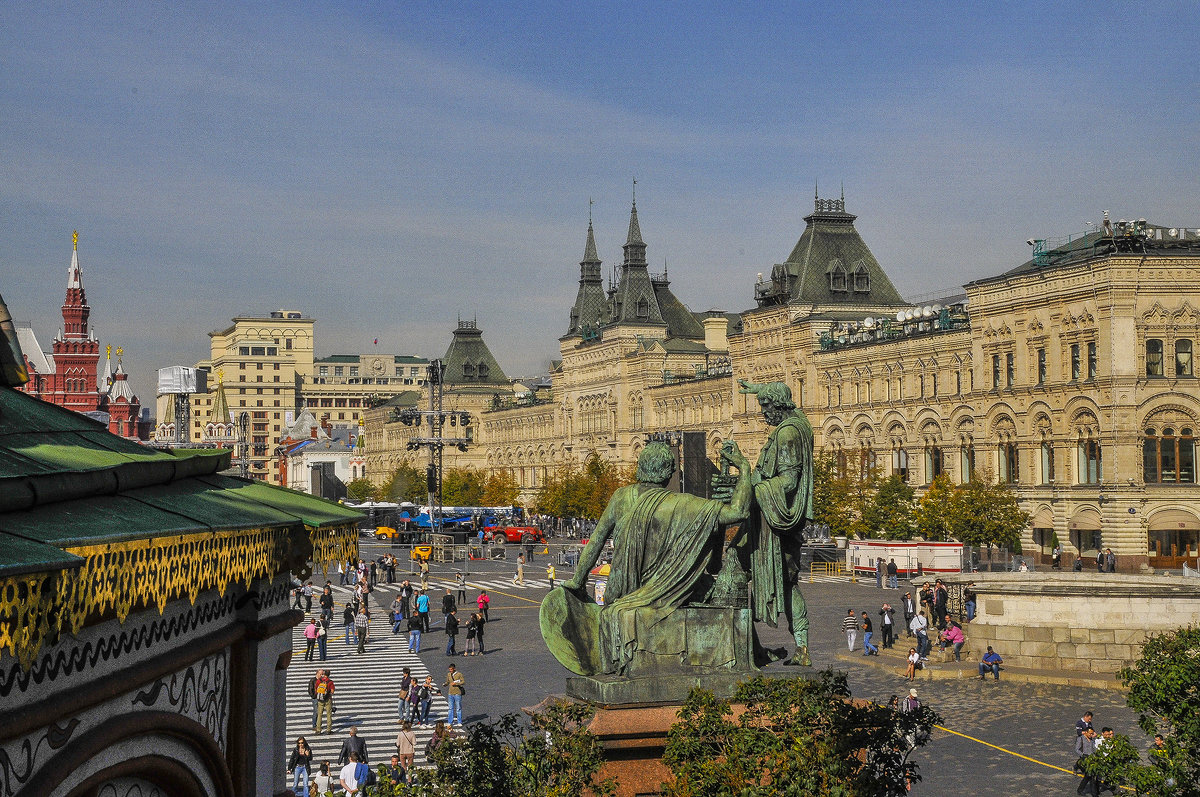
570	624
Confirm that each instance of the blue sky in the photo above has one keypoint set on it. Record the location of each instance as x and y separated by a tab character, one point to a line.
388	167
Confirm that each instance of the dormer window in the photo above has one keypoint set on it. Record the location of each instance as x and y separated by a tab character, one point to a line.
468	371
862	278
837	276
482	371
643	308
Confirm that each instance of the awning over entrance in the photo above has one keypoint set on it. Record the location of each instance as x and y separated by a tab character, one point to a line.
1043	519
1171	519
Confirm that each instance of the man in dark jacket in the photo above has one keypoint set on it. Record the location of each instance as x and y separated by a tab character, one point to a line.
353	744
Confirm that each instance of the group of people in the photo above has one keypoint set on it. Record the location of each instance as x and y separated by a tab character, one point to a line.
1088	743
355	775
410	610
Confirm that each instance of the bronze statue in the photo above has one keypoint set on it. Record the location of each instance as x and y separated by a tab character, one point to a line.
783	491
667	555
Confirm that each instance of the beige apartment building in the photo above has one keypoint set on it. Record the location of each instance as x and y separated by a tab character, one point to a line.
1070	377
265	366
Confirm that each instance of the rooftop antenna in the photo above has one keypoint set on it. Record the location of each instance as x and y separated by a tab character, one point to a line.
590	203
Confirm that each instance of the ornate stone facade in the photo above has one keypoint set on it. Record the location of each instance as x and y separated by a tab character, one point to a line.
1070	377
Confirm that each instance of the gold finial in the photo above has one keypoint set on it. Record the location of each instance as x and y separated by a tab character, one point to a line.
120	351
75	240
108	352
220	376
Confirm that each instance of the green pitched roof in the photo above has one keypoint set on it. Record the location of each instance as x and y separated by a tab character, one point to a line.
468	361
830	243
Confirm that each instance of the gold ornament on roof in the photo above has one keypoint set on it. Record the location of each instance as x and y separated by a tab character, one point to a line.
75	240
108	352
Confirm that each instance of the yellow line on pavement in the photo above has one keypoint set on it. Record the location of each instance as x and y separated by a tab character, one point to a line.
1014	753
499	592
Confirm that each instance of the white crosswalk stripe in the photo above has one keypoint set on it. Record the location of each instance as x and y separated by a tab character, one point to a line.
366	686
438	585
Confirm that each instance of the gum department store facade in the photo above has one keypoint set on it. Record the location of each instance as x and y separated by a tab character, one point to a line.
1070	377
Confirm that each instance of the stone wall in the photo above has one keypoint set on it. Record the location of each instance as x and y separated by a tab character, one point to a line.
1078	622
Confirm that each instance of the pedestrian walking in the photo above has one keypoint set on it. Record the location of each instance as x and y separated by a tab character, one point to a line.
353	745
472	627
327	602
550	574
309	591
879	568
451	632
850	626
414	633
479	626
910	611
427	690
361	626
323	689
300	764
406	745
455	689
460	582
424	576
893	573
310	638
519	578
323	638
348	619
448	605
423	609
868	630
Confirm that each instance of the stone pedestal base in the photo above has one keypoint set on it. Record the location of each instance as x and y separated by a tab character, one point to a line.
613	690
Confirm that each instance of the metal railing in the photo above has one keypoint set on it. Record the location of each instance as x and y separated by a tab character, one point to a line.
826	569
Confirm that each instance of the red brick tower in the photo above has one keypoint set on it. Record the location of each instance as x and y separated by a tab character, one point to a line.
76	350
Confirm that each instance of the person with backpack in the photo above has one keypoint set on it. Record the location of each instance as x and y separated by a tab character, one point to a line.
323	689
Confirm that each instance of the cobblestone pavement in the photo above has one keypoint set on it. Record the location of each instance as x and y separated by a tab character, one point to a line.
1027	719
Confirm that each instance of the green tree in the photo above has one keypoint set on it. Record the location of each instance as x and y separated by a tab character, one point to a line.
501	489
574	492
556	756
462	487
796	736
407	483
833	497
987	514
934	514
1163	690
362	490
889	512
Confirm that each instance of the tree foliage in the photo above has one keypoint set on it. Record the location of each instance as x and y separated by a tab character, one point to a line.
1164	688
556	756
407	483
934	515
501	489
987	514
889	512
362	490
833	497
581	492
462	487
796	736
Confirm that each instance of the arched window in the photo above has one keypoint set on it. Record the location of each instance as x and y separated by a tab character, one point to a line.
862	278
967	461
1154	357
837	276
1090	468
1047	462
933	463
1183	357
1009	463
1168	458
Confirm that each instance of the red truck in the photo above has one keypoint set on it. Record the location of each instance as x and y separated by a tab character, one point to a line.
499	535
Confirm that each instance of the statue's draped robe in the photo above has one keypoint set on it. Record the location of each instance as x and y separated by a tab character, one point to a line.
782	511
663	545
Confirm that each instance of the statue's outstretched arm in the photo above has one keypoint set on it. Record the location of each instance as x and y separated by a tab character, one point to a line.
748	386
